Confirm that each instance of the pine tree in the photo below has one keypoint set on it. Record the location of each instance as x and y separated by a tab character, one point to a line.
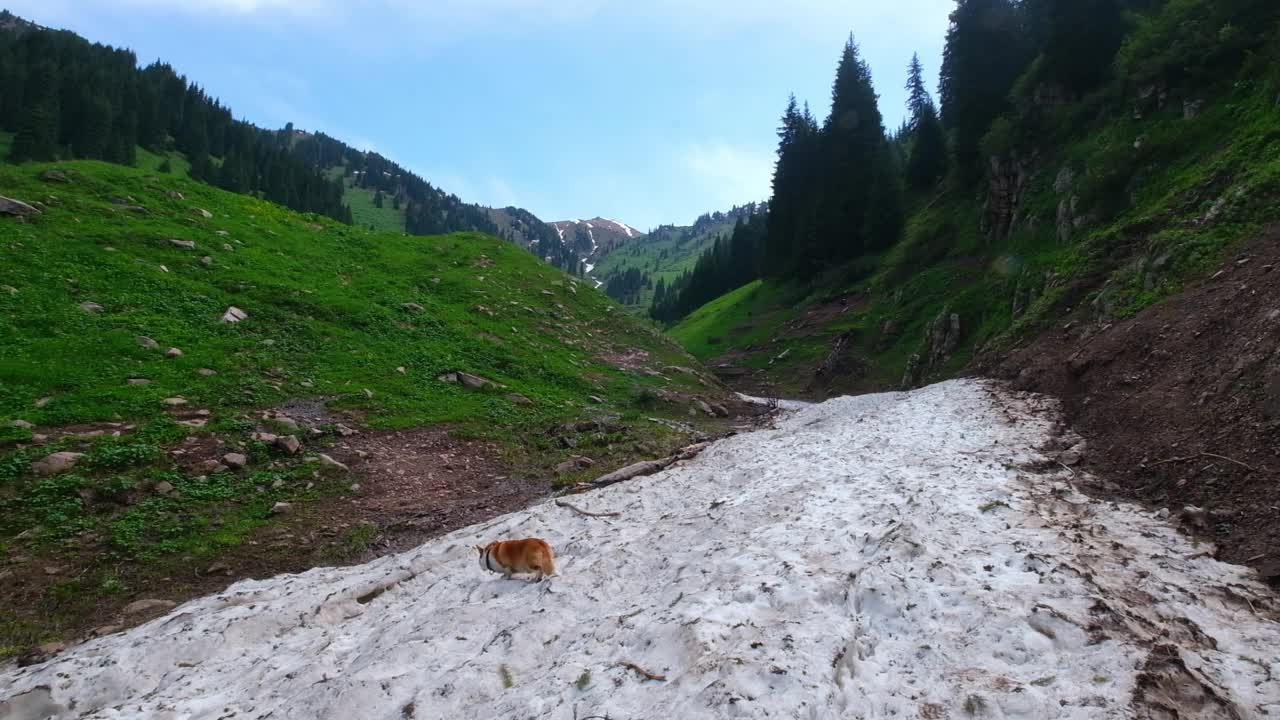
917	95
927	162
1081	40
986	50
37	137
853	144
377	200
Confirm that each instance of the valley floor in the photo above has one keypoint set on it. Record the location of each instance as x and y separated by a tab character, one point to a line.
896	555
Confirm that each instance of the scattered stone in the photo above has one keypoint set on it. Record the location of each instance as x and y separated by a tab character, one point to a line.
401	370
56	464
1070	458
719	410
474	382
175	195
105	630
345	431
173	352
184	244
574	464
218	568
568	443
227	247
368	393
289	444
704	407
1194	516
263	437
234	315
91	307
21	424
164	487
413	307
175	401
207	261
204	213
235	460
448	377
281	508
52	570
9	289
329	462
212	467
146	342
206	372
596	399
519	399
16	208
43	401
54	176
221	233
139	607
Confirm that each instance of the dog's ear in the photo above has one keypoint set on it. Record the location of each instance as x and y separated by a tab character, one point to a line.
479	549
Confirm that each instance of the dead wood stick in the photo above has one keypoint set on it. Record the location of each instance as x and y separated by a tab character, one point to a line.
1224	457
641	671
1204	454
580	511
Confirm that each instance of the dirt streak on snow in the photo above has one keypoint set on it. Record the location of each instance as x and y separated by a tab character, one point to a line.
879	556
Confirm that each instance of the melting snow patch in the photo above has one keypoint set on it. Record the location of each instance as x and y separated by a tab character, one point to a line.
883	556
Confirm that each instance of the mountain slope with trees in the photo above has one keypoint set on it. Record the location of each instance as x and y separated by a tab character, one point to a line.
1101	160
66	98
642	271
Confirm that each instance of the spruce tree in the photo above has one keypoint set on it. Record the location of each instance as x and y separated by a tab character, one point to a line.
986	51
918	97
926	160
853	144
1081	40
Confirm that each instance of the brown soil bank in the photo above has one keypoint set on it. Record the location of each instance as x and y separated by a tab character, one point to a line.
1180	404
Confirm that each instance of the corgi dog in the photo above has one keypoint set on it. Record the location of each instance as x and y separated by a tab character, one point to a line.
508	557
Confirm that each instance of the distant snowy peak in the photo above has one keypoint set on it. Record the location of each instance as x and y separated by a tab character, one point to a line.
595	237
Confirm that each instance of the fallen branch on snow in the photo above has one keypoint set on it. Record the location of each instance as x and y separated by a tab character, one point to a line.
641	671
580	511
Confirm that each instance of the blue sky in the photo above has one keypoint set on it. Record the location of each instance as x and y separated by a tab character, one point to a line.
645	111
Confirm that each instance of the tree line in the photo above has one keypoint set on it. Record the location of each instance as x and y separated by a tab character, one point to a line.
65	98
842	187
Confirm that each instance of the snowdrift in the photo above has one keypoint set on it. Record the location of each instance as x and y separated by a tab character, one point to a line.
881	556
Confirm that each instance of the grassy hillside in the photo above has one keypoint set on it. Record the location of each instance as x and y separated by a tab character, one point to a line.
1117	214
365	214
349	326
